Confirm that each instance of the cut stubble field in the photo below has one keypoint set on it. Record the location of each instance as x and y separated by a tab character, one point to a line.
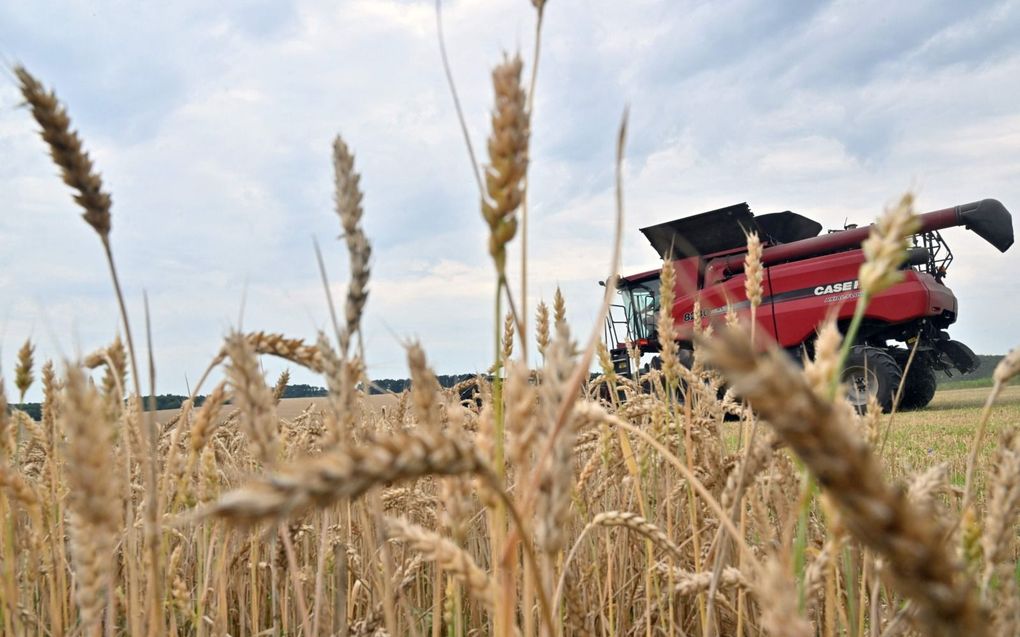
943	432
291	408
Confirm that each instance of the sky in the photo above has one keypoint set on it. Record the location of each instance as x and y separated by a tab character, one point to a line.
212	124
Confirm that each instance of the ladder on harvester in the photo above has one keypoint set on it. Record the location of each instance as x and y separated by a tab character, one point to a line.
611	335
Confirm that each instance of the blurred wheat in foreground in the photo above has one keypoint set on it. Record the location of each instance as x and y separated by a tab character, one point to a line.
732	497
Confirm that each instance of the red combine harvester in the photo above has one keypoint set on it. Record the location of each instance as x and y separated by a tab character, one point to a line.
806	276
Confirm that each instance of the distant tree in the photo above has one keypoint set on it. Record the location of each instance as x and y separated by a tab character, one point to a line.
303	391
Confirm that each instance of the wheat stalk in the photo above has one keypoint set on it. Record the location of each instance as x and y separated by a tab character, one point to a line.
880	516
447	555
508	159
348	206
998	534
348	472
23	371
254	399
95	509
67	152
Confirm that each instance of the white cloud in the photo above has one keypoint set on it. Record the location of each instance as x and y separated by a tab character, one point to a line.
212	126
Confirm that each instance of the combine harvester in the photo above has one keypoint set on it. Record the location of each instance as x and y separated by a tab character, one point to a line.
806	276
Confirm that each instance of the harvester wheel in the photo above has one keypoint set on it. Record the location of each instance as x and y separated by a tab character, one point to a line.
918	387
871	371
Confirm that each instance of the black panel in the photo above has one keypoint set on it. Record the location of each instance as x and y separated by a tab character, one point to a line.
786	227
702	234
725	229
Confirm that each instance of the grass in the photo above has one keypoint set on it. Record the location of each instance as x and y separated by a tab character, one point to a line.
943	431
971	383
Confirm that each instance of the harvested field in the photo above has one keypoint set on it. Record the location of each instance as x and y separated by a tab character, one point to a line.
291	408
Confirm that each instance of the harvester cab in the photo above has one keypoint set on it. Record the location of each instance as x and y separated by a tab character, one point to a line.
808	275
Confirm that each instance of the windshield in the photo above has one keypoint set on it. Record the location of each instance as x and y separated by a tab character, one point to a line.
642	300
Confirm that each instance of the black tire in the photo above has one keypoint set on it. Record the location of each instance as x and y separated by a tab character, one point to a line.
919	386
871	371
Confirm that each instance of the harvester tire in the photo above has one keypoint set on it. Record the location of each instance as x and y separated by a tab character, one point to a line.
871	371
918	386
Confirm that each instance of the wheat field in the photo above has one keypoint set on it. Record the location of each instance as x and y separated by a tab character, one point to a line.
739	496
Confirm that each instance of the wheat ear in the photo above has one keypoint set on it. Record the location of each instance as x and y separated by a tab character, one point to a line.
347	472
998	535
348	205
254	399
67	152
630	521
447	555
23	371
880	516
7	444
95	509
294	350
77	171
542	327
508	159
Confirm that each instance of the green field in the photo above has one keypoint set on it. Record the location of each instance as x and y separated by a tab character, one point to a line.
943	432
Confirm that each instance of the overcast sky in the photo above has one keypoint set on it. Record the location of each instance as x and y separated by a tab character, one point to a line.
212	122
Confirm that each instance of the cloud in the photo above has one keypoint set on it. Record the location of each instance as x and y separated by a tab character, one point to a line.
212	126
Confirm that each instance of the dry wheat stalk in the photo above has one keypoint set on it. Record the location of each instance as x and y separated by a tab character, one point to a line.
665	326
999	532
23	371
552	503
349	471
206	420
753	270
927	485
293	349
508	159
19	487
425	389
879	516
116	369
824	367
542	327
348	197
885	249
1008	367
6	431
559	308
639	525
450	557
67	152
94	505
605	363
521	424
281	386
254	399
508	337
780	616
340	419
686	584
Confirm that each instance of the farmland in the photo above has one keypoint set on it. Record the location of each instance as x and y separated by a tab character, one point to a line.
944	430
734	493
